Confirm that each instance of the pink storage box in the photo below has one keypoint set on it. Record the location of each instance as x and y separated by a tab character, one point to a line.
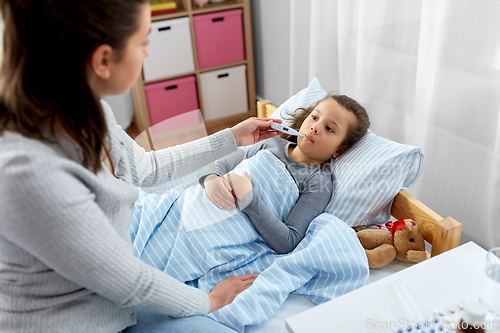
172	98
219	38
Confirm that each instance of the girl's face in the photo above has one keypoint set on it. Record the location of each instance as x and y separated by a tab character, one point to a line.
124	73
325	130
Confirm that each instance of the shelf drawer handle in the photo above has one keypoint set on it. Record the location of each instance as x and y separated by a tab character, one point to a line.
223	75
163	28
217	19
171	87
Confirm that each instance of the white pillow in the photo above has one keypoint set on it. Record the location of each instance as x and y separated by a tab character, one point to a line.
304	98
368	176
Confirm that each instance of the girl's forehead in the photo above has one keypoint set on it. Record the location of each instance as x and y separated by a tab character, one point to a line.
330	106
330	109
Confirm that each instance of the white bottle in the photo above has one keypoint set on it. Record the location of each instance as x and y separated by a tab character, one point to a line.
472	318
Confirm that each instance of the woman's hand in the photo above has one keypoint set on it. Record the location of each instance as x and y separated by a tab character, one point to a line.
219	192
241	184
226	290
254	130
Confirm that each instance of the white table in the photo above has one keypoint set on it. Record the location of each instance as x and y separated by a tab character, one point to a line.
446	279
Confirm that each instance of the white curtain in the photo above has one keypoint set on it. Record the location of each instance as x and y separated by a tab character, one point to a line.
428	72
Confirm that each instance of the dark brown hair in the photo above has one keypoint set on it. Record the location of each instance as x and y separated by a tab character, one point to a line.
356	130
47	46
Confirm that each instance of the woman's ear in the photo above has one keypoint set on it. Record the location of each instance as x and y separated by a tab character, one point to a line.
100	61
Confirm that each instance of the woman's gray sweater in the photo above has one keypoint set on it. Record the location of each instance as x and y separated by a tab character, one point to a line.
66	263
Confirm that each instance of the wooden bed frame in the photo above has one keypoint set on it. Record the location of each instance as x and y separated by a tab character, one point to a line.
443	234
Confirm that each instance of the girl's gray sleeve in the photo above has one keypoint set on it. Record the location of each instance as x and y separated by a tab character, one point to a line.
284	237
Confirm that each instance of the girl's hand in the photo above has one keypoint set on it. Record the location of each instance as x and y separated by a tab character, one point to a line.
219	192
226	290
254	130
241	184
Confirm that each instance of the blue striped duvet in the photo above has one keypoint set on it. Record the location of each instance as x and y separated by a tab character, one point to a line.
185	235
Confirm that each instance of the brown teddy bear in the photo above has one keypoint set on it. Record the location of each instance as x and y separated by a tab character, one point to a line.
402	240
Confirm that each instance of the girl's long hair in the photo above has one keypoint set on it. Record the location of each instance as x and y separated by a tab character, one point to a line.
47	45
356	130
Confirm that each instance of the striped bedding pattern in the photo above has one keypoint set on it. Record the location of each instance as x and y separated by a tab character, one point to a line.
185	235
328	263
368	177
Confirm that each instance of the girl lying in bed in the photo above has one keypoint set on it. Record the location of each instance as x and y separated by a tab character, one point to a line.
330	127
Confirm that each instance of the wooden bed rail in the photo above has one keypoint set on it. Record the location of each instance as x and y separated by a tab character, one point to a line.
443	234
265	108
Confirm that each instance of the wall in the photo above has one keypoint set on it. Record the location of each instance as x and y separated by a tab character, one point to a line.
286	40
123	108
271	37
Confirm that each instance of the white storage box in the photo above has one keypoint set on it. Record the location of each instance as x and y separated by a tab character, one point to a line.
170	49
224	92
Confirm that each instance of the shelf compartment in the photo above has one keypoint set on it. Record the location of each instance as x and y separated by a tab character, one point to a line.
182	11
215	7
224	92
173	98
219	38
168	36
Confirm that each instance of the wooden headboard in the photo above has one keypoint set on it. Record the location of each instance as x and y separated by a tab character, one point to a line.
443	234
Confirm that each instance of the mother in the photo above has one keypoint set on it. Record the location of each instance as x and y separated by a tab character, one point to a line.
68	174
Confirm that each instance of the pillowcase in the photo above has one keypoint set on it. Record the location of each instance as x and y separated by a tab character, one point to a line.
367	177
303	99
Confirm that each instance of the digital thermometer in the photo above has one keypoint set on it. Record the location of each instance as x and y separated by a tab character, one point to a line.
284	129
